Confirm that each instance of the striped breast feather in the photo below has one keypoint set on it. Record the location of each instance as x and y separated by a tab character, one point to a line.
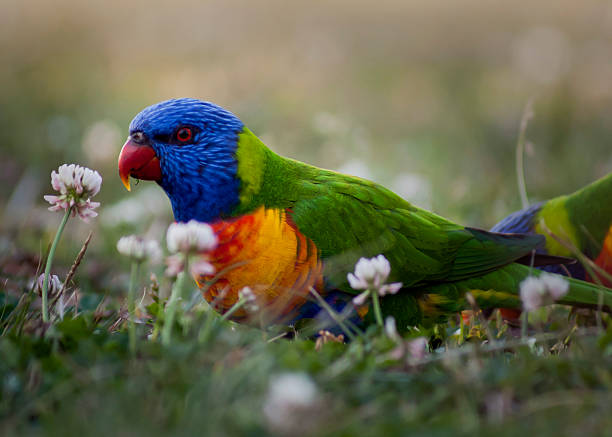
265	252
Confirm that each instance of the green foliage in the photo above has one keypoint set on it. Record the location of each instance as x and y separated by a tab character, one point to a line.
78	377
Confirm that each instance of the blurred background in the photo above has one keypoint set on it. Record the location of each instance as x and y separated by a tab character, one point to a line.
425	97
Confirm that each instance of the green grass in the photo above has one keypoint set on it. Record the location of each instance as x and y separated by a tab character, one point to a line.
78	377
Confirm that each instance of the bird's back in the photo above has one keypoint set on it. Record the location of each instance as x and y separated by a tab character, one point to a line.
582	219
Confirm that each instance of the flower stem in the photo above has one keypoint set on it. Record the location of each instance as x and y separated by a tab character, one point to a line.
520	151
177	291
376	305
233	309
332	313
45	306
132	306
210	322
524	324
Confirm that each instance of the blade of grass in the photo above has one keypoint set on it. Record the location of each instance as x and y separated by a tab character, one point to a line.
333	314
520	153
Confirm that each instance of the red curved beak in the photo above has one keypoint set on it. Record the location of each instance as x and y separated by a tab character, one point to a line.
138	161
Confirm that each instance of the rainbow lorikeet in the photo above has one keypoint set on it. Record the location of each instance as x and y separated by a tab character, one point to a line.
285	226
583	219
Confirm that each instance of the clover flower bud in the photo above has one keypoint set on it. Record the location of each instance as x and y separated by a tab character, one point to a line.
139	248
54	287
190	237
542	290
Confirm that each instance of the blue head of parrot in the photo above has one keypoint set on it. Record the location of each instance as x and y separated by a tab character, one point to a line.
188	147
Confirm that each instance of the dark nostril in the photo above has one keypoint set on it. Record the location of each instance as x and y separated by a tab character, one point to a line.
138	138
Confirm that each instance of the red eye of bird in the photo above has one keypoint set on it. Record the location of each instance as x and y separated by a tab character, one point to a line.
184	134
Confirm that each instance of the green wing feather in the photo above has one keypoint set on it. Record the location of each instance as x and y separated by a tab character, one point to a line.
348	217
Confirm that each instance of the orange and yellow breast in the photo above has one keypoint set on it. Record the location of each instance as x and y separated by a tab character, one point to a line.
266	252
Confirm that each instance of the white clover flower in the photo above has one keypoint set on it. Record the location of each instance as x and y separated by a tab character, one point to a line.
189	237
250	299
542	290
54	286
532	293
139	248
370	275
186	240
291	400
76	186
292	389
556	285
